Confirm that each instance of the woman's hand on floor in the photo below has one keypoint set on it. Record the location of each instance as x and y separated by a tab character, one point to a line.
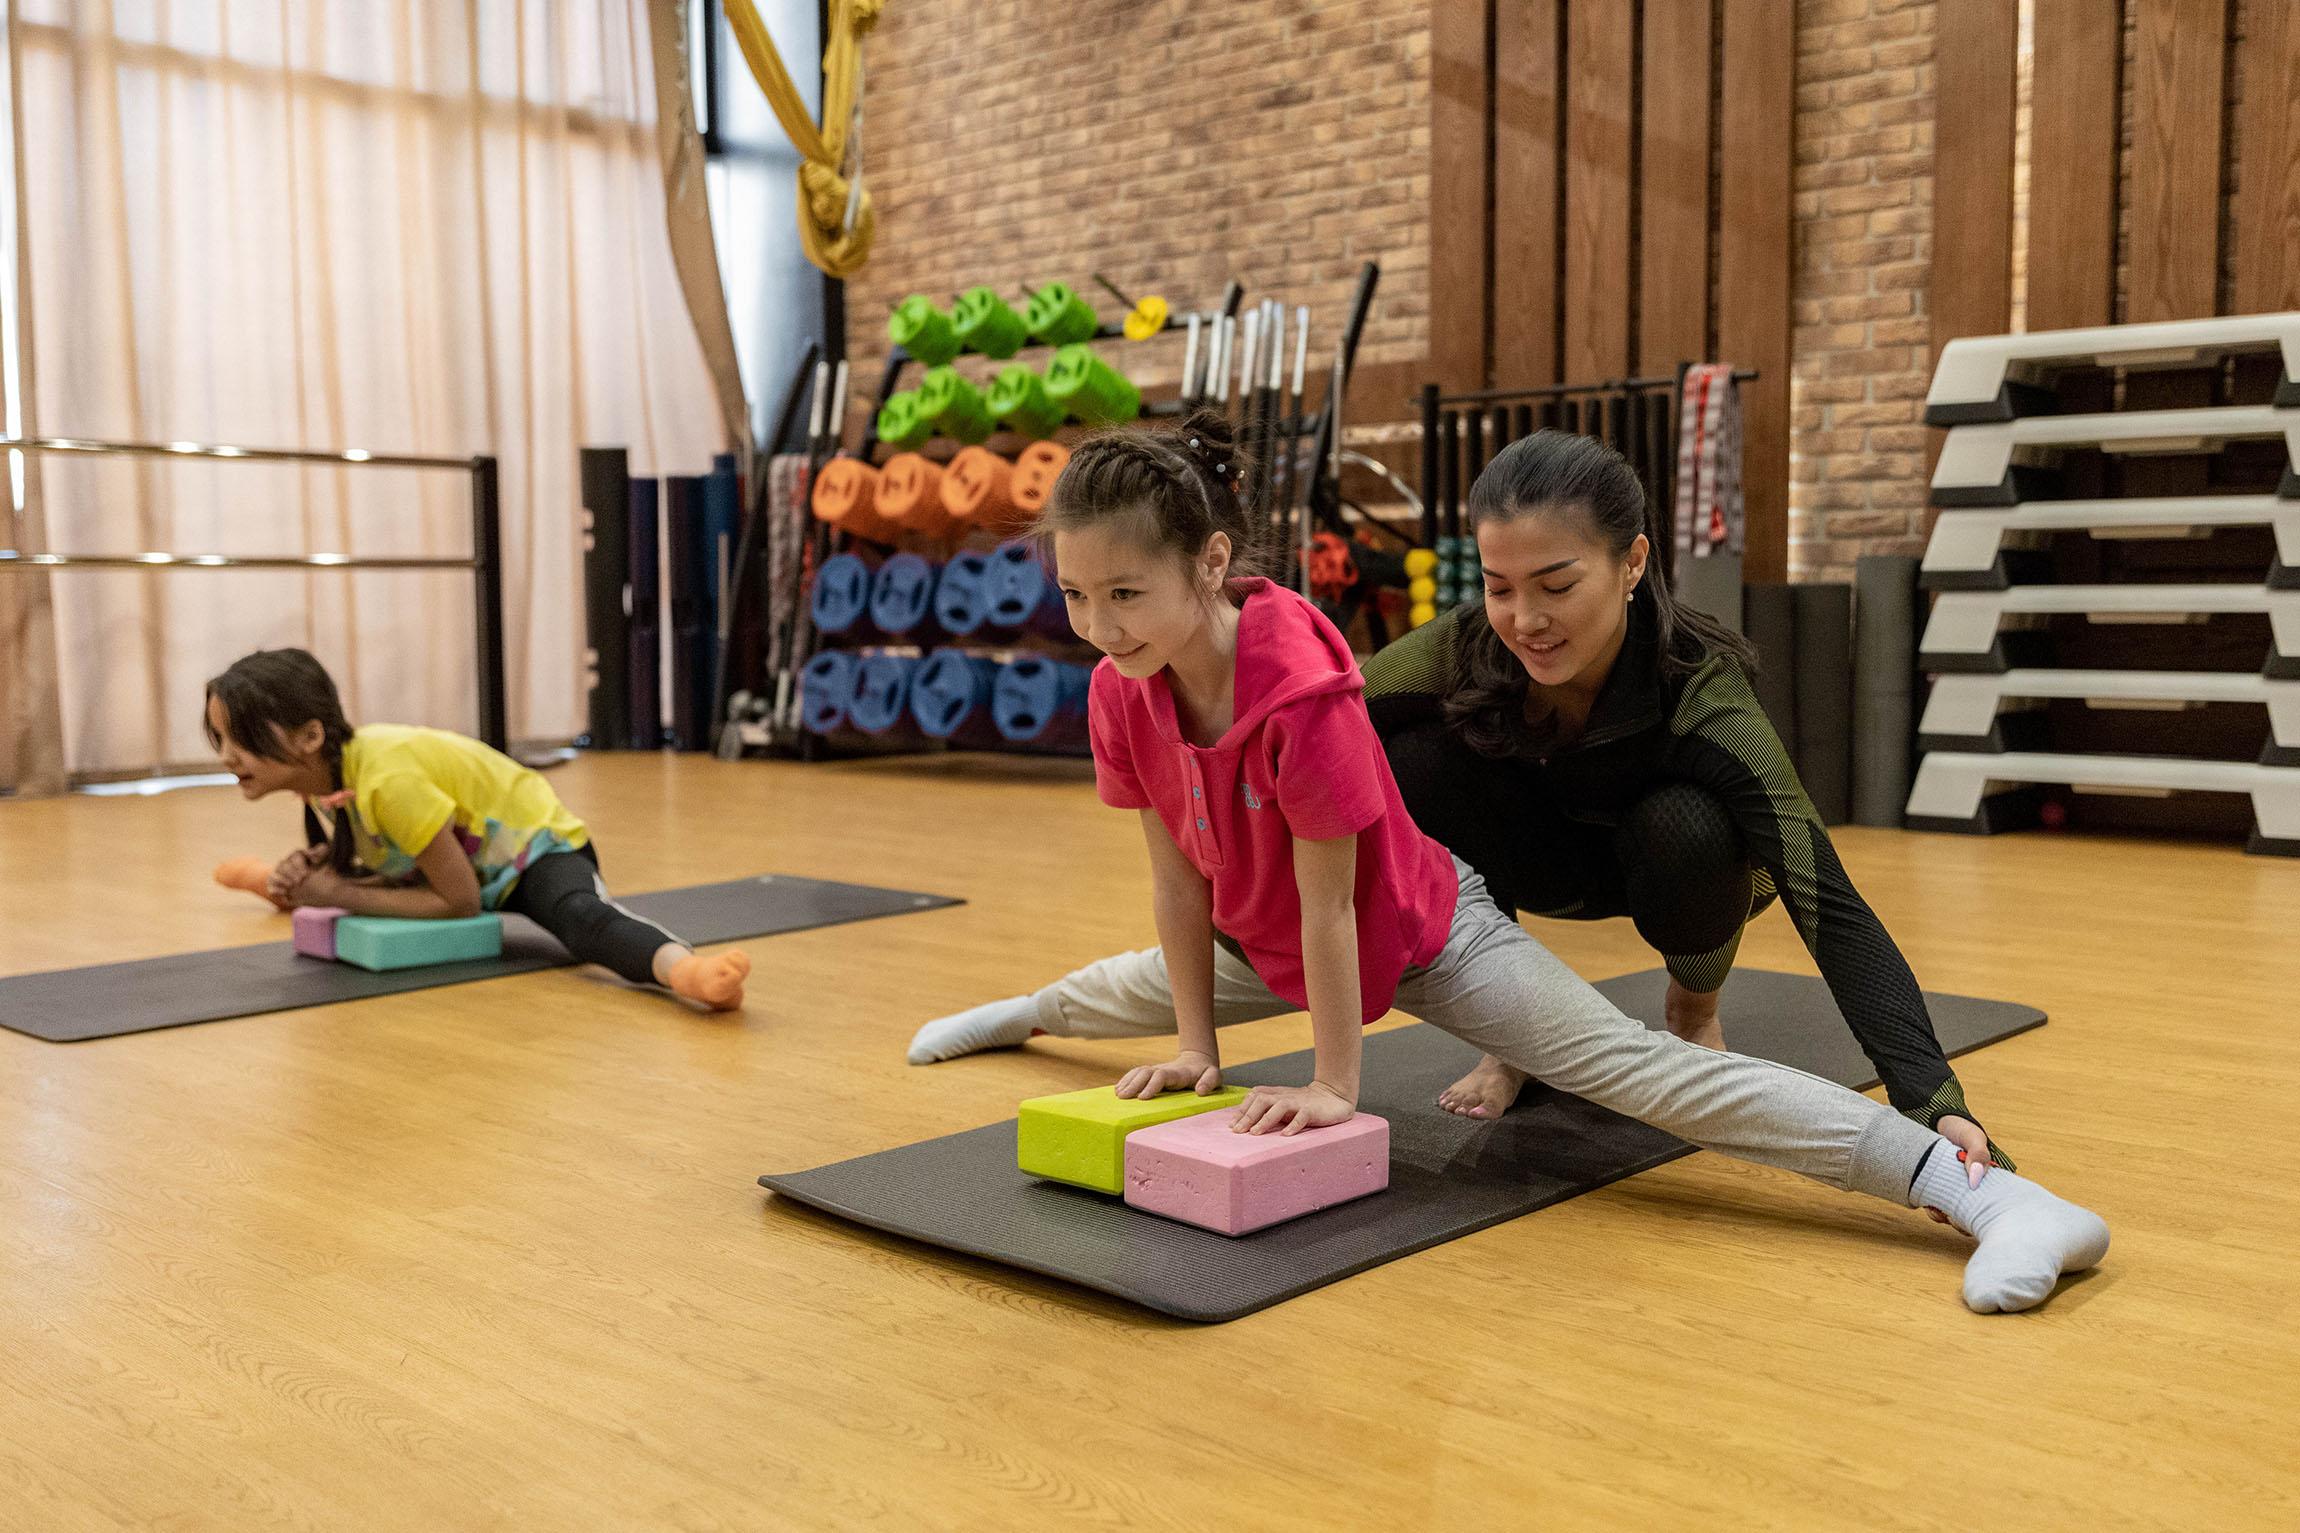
1200	1072
1290	1109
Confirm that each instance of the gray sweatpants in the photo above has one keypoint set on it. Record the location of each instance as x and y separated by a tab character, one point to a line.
1496	987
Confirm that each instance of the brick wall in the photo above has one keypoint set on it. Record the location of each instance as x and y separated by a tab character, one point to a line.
1176	144
1170	144
1864	235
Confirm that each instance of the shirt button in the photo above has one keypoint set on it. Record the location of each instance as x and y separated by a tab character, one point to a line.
1197	793
1201	824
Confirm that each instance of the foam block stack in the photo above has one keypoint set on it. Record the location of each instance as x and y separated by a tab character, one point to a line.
1180	1156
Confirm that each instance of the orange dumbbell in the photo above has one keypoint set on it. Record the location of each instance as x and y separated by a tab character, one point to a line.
910	494
978	492
846	496
1034	475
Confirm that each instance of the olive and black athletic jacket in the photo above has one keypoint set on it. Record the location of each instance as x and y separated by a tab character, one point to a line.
1707	729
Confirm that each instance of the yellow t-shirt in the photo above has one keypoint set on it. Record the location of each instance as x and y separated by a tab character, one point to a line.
407	784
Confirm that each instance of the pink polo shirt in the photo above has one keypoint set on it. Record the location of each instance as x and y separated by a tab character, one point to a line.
1301	760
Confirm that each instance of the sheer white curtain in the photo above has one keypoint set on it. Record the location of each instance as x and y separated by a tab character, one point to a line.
423	226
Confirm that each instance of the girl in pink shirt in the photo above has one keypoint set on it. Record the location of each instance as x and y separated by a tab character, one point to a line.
1286	876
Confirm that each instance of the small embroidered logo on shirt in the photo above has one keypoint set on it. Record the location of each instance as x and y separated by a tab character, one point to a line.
1252	802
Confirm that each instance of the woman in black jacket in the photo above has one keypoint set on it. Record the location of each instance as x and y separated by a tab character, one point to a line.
1594	749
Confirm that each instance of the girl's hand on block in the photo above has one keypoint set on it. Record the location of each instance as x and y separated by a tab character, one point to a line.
291	871
321	886
1290	1109
1201	1072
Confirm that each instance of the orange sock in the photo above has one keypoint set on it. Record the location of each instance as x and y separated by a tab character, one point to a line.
715	979
252	874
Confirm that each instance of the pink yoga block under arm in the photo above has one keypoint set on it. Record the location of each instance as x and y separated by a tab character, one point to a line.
315	930
1199	1171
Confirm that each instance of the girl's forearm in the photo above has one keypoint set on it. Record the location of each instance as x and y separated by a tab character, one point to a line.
1330	974
1185	919
416	902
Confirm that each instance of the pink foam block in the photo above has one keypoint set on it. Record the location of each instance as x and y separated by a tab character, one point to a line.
1199	1171
315	930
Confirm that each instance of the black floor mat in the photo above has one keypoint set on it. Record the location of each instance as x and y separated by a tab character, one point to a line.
105	1000
1449	1176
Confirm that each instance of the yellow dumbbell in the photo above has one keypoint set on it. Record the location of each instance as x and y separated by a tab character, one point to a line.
1422	612
1422	589
1421	561
1144	318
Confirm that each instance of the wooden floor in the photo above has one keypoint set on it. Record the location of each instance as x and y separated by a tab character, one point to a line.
492	1256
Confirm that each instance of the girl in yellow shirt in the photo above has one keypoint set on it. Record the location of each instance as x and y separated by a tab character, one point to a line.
429	824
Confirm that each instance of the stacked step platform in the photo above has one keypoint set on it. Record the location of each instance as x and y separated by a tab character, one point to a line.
2157	655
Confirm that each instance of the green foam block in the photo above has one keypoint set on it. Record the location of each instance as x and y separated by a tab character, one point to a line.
1079	1137
386	942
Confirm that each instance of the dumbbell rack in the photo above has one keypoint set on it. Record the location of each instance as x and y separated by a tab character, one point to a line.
1461	433
1321	427
2155	440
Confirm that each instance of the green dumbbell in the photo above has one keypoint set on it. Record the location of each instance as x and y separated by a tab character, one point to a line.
923	330
985	323
1018	397
1059	317
1090	388
953	406
901	423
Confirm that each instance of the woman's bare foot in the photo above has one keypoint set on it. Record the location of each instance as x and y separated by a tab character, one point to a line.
1486	1092
1692	1016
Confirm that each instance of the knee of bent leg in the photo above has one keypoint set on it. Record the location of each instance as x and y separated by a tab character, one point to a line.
1683	828
1686	869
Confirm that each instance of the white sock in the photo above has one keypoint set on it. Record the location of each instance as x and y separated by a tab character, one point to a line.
2028	1237
998	1025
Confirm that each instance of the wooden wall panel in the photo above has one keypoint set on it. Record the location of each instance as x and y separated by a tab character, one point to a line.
2268	155
1461	275
1754	148
1600	92
1673	195
1973	74
2177	115
2073	156
1526	140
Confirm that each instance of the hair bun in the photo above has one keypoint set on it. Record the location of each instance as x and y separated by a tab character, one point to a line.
1207	437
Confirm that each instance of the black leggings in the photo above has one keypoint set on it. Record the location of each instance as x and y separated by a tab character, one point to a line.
1673	862
563	894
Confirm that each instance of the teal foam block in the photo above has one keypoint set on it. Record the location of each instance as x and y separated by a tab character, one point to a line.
387	942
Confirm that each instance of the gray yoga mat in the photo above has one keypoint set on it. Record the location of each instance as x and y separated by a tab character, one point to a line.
105	1000
1449	1176
1884	685
1824	681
